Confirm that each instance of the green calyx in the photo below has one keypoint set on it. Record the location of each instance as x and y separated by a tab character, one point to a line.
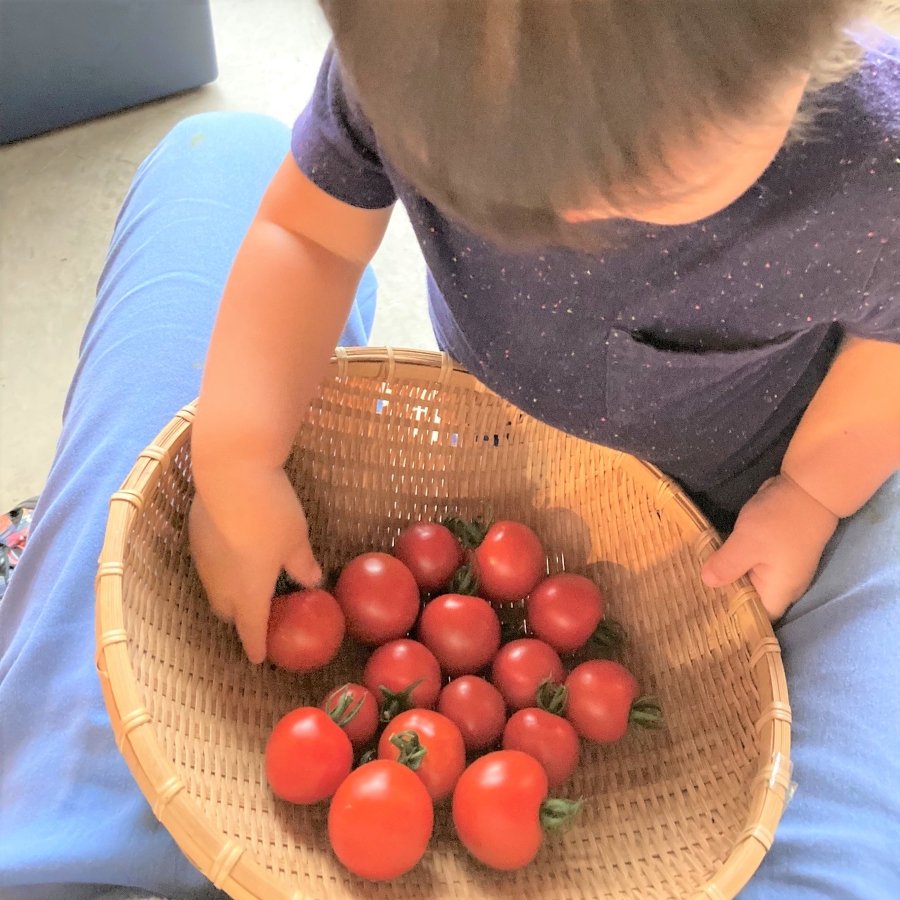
558	816
396	702
464	581
286	585
609	639
367	757
343	710
469	532
412	753
646	713
552	697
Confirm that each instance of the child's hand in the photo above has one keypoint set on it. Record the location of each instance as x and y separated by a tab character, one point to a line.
778	539
240	562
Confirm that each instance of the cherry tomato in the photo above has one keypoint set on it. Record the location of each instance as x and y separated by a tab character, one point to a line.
521	667
431	552
436	754
564	610
510	562
600	696
380	820
397	667
305	630
477	708
462	632
307	756
354	709
379	597
550	739
496	808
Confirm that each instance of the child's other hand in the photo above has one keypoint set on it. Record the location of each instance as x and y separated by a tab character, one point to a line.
778	540
240	559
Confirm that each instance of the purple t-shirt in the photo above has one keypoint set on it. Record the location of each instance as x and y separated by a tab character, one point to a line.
696	347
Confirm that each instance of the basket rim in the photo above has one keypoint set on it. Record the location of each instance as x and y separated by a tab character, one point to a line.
227	863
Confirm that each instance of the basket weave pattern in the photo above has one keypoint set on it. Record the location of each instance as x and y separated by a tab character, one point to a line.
396	436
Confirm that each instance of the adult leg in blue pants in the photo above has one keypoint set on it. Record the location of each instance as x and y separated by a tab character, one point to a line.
71	815
840	837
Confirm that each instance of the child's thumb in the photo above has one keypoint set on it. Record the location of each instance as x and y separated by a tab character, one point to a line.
728	563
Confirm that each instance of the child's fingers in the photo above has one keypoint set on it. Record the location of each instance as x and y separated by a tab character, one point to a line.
206	548
251	613
251	618
775	597
736	557
301	564
780	586
236	585
287	523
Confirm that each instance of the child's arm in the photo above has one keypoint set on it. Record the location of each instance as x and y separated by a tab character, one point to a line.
846	446
287	299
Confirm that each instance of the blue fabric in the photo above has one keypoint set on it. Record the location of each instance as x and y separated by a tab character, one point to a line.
840	837
70	810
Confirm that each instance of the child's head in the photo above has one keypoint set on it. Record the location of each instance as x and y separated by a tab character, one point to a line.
523	117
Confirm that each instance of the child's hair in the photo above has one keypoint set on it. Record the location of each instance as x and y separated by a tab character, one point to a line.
505	113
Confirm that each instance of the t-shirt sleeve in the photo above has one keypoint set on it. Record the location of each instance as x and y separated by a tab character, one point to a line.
335	147
877	313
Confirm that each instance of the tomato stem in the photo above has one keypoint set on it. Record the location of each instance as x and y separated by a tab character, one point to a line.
469	532
396	702
552	697
609	636
339	708
646	713
558	816
607	642
367	757
412	753
286	585
465	581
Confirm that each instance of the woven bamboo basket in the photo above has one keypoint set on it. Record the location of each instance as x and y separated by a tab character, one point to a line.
688	812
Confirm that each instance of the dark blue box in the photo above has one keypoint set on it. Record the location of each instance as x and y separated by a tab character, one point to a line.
64	61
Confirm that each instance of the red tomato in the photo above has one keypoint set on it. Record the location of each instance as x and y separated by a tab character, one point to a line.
521	667
380	820
379	597
431	552
354	709
600	696
564	610
551	740
510	562
305	630
307	756
496	808
444	757
397	667
477	708
462	632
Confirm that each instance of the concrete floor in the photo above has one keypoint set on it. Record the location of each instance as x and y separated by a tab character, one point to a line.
59	195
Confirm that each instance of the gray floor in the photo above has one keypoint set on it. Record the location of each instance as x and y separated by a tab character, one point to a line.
59	194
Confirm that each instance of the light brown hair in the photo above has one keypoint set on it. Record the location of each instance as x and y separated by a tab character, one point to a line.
504	113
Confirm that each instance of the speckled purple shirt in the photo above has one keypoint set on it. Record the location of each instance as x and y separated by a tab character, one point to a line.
700	346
